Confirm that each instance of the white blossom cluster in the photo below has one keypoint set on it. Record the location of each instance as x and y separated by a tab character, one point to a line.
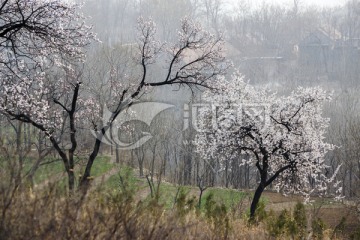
36	35
285	141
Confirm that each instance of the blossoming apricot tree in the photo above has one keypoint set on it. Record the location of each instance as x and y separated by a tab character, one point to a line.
282	135
35	37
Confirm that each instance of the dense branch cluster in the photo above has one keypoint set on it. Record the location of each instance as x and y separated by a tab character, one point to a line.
35	36
35	32
196	59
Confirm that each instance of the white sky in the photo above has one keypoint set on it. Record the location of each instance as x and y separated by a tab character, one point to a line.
321	3
304	3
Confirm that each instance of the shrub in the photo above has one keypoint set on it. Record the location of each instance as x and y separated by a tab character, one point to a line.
288	225
300	221
183	204
277	226
318	226
217	216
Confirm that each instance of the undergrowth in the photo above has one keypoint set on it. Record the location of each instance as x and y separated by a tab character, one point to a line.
118	213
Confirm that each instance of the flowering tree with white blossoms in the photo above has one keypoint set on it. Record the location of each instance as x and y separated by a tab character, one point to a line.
41	38
282	135
35	37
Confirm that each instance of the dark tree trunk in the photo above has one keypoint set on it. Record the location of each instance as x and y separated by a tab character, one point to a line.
202	187
152	167
260	189
112	145
227	174
187	169
351	191
200	196
71	181
85	181
69	165
264	182
141	169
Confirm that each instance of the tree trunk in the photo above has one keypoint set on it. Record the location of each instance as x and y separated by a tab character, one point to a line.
200	197
247	173
141	169
71	180
70	172
256	200
85	181
264	182
112	140
226	174
187	166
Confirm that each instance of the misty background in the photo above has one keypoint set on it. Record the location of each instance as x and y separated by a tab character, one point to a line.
279	44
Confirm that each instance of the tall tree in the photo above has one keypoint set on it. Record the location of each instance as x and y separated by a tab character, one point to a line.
37	36
284	136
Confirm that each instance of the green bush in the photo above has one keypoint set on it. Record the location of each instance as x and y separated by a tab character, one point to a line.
300	221
260	213
217	216
318	226
288	225
278	226
183	204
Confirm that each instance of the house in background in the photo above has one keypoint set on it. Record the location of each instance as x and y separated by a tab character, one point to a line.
331	57
315	52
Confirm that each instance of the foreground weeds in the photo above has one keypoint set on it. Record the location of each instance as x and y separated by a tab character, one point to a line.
51	213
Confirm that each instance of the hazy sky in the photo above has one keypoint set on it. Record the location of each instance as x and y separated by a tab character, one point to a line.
321	3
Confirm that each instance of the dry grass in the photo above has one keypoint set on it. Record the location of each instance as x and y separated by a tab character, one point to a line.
49	213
